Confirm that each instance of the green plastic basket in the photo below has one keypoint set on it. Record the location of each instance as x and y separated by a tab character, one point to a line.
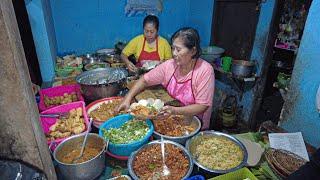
239	174
67	71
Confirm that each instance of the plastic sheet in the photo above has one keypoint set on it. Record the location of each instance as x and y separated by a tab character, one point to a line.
19	170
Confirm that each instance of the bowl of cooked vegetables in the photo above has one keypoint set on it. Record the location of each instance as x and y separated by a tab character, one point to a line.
176	128
216	152
125	134
147	162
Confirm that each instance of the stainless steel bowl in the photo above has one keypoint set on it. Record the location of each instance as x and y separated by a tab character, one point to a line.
85	170
181	139
101	82
195	140
133	155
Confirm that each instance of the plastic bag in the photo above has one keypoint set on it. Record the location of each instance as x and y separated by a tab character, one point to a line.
19	170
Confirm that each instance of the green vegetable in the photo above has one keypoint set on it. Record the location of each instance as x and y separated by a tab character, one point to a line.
130	131
264	172
151	166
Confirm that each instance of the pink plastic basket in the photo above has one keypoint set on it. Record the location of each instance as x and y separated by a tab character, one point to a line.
58	91
48	122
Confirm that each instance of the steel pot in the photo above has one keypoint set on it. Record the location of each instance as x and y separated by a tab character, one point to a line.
86	170
102	82
242	68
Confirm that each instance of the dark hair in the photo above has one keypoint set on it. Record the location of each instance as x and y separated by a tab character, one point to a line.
190	38
151	19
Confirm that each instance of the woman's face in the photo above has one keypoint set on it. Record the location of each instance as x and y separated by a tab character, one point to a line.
181	54
150	32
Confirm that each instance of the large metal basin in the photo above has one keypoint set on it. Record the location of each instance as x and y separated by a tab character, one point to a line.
101	83
133	155
181	139
85	170
192	143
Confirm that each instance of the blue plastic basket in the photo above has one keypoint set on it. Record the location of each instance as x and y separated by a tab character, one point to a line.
196	177
124	149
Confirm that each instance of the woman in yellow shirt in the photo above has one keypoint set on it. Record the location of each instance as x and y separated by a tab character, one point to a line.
147	47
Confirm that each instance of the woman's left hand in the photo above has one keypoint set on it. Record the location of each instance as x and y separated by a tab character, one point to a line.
168	110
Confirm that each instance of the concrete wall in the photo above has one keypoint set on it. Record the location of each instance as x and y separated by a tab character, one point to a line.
87	26
39	13
300	112
259	51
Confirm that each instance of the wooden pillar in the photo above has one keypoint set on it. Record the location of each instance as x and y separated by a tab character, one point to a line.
21	135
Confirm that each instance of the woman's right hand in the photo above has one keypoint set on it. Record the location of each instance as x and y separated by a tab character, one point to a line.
131	67
125	104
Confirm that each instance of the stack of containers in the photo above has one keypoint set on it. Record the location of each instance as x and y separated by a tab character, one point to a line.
57	109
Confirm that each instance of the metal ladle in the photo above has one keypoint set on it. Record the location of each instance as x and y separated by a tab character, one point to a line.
165	170
84	142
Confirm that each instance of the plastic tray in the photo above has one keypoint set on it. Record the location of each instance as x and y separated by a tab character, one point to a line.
48	122
239	174
58	91
124	149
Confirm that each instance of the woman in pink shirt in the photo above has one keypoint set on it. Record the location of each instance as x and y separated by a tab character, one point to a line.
186	77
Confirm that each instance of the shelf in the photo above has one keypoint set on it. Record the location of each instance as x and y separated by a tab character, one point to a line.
240	84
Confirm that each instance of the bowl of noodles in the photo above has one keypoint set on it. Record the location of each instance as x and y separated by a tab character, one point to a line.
217	152
176	128
146	162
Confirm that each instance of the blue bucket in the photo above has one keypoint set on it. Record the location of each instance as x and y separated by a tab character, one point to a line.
124	149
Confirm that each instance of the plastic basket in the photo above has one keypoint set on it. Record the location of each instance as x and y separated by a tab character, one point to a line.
46	123
124	149
68	70
239	174
58	91
196	177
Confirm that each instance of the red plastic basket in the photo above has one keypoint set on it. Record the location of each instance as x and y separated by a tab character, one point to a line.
48	122
58	91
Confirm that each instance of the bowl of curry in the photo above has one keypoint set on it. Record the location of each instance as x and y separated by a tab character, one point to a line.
216	152
89	166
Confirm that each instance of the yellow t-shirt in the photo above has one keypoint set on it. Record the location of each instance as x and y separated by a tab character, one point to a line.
135	46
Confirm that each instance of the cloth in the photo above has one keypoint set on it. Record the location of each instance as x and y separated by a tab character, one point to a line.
202	82
135	47
148	56
136	7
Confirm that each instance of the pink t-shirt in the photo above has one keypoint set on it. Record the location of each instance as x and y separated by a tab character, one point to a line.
202	82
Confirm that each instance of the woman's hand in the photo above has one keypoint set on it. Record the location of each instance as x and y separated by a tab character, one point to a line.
125	104
131	67
168	110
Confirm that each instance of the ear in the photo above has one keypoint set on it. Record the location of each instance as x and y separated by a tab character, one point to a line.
194	51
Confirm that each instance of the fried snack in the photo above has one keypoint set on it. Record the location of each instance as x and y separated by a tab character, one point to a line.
105	111
58	100
174	125
65	127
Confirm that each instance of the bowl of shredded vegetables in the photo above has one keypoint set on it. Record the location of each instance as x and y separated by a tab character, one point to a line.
125	134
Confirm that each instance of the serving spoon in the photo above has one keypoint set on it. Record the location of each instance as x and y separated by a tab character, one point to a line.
165	170
84	142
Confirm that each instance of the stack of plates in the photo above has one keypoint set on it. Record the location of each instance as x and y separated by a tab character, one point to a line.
283	162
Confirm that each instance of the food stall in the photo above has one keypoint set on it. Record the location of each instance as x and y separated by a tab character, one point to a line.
141	144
